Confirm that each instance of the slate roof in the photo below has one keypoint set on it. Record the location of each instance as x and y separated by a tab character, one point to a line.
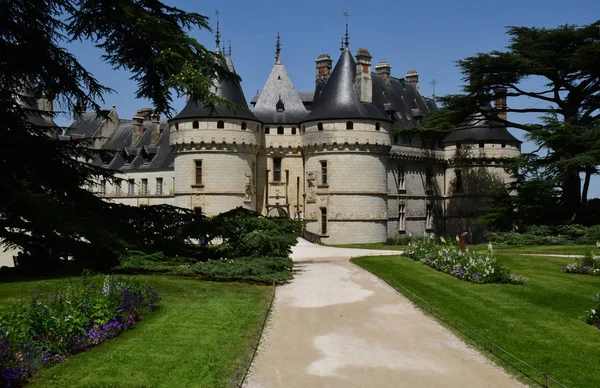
86	123
479	129
339	99
227	89
279	89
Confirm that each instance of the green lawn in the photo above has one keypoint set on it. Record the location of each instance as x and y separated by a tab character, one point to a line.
542	249
194	339
538	322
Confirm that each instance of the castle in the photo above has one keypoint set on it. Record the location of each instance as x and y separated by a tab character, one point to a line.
330	157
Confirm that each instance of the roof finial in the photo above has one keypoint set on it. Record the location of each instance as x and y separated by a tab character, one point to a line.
278	50
433	83
218	33
342	44
347	37
229	48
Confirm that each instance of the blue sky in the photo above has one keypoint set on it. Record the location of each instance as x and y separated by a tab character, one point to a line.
426	36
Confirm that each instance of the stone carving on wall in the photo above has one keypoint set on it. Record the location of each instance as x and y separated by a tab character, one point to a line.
248	188
416	213
311	177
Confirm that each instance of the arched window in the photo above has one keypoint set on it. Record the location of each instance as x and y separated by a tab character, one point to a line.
293	130
195	125
377	126
280	130
320	126
349	125
220	124
244	125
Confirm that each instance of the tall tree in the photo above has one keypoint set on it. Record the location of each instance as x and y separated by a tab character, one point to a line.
566	60
44	206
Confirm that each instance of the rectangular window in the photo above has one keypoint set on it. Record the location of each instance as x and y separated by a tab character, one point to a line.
401	178
144	186
323	220
428	178
103	187
198	210
481	145
324	172
267	131
131	187
159	186
118	188
429	217
293	130
458	188
198	172
276	169
402	217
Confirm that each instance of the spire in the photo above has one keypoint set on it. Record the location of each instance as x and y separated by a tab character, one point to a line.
218	34
278	50
347	36
229	48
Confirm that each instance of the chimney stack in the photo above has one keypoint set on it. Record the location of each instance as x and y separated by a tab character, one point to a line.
145	113
364	83
384	70
324	65
156	130
500	102
138	129
412	77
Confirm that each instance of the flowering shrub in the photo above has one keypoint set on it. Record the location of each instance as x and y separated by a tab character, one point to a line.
469	266
54	325
593	316
588	265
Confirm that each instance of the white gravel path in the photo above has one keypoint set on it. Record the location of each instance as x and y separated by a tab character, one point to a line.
337	325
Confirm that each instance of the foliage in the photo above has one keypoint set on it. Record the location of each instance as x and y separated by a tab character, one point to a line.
548	235
55	325
245	233
592	317
266	270
565	62
45	208
539	322
589	264
469	266
136	261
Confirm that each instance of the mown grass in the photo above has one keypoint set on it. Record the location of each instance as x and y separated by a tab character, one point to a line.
539	322
541	249
194	339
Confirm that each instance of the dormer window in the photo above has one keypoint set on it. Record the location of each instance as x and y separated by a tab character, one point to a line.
280	106
349	125
220	124
244	125
320	126
195	124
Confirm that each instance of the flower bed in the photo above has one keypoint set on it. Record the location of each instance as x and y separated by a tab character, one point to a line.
588	265
55	325
593	315
468	266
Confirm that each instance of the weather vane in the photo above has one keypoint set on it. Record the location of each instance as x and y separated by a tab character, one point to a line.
218	34
433	83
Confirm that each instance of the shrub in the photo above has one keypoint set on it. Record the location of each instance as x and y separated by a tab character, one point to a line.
593	315
468	266
261	270
548	235
588	265
54	325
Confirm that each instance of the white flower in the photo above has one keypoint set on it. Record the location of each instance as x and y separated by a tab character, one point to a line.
443	240
457	238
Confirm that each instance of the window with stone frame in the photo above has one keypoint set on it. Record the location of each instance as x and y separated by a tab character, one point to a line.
276	169
323	220
280	130
402	217
458	185
118	188
428	178
131	187
103	187
324	177
144	186
159	186
401	178
429	217
198	164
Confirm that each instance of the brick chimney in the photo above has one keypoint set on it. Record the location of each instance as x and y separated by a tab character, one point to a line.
323	67
145	113
364	83
500	102
156	130
138	129
384	70
412	77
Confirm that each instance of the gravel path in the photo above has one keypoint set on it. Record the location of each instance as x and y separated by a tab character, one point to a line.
337	325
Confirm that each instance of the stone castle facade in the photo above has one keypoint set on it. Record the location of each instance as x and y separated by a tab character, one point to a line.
331	157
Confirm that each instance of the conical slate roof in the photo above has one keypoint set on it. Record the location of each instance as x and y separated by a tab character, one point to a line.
478	128
279	102
339	99
229	90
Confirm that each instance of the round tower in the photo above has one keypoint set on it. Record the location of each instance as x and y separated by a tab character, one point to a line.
346	144
215	153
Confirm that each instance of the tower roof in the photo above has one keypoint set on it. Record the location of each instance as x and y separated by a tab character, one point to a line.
339	99
478	128
279	102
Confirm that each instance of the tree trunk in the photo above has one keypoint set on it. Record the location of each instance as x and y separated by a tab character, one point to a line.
571	187
586	187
